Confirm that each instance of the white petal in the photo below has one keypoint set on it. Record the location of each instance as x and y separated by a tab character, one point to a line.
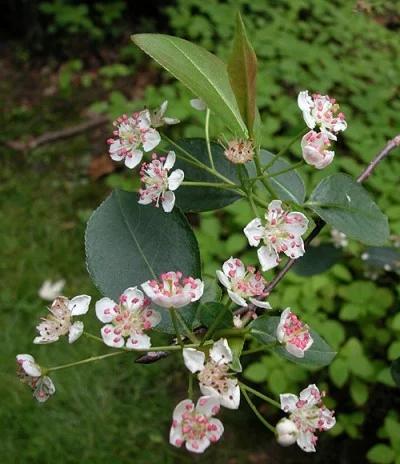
198	104
234	264
171	121
105	309
75	331
133	158
198	446
79	305
309	120
260	304
181	408
152	139
169	201
299	224
288	402
177	301
294	350
208	405
170	161
254	231
176	435
44	339
220	352
28	364
198	291
194	360
175	179
223	279
296	251
268	258
114	151
304	440
163	107
148	289
138	342
236	298
49	290
152	316
275	205
304	101
306	395
231	398
144	120
134	297
219	429
110	338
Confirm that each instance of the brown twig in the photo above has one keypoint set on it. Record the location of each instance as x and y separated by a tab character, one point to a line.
49	137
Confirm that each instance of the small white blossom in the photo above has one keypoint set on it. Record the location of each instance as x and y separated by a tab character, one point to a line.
31	374
213	375
158	184
293	334
314	147
59	322
286	432
243	283
132	134
130	318
339	239
157	116
320	110
198	104
171	292
281	233
50	290
308	414
239	151
195	426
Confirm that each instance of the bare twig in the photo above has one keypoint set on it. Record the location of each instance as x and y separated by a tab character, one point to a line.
49	137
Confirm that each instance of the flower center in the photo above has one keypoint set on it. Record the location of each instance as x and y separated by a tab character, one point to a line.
131	321
215	375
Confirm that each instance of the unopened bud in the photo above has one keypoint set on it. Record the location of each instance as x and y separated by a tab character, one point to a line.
286	432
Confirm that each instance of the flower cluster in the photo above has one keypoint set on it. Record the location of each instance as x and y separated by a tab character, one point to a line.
31	374
281	233
320	111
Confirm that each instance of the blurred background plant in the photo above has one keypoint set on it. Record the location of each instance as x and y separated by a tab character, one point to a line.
66	61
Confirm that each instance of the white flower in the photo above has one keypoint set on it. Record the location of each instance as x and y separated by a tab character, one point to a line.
158	184
59	322
133	133
339	239
239	151
50	290
293	334
213	375
195	425
308	415
286	432
31	374
282	232
157	116
198	104
314	147
130	318
320	110
171	293
243	283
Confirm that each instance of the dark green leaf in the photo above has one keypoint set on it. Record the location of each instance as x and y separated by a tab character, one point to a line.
199	199
212	290
316	260
210	311
395	371
242	73
200	71
345	205
289	186
387	258
319	354
128	244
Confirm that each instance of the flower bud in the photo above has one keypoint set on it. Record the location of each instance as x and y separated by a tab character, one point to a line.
286	432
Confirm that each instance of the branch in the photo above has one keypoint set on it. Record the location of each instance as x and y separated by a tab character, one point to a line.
49	137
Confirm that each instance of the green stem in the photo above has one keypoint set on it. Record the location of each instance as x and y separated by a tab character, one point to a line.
261	174
191	336
210	184
232	332
255	410
84	361
260	395
190	387
285	149
176	327
214	325
259	349
291	168
207	131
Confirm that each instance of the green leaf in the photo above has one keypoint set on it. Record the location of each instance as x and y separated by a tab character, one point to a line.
317	260
210	311
289	186
212	290
339	372
197	199
359	392
236	346
345	205
242	73
394	351
121	253
361	366
381	454
257	372
200	71
319	354
387	258
395	371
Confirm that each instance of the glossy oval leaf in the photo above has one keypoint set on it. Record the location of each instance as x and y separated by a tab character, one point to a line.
317	260
319	354
200	71
346	206
197	199
387	258
128	244
289	186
